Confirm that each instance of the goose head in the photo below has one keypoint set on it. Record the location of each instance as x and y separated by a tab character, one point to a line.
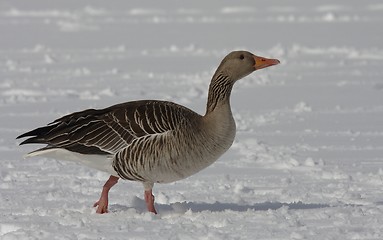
239	64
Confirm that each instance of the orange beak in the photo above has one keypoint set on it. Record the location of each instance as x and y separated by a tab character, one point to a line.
261	62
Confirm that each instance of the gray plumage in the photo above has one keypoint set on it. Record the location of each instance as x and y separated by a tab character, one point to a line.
152	141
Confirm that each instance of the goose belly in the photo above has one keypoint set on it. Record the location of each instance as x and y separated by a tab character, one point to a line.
182	170
179	166
168	158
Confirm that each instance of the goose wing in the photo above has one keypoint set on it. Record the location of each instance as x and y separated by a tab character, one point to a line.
108	130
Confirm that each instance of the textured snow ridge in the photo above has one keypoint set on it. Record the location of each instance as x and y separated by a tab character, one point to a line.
307	161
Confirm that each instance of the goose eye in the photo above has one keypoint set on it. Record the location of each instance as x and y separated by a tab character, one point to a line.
241	57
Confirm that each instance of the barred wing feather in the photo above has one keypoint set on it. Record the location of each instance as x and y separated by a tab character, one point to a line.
108	130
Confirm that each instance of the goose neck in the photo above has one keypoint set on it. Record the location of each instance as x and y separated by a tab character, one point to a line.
219	94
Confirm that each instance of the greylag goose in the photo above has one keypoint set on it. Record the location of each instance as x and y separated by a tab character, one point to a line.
150	141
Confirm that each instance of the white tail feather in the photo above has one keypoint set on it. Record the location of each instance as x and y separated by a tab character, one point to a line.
99	162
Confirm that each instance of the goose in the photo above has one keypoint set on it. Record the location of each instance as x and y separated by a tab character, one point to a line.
149	141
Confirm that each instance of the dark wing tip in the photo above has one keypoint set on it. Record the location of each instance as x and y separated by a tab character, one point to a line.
32	134
23	135
34	139
29	140
35	135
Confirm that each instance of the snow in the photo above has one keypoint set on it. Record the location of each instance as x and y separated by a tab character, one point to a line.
307	162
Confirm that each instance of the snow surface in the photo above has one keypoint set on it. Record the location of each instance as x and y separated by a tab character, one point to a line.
307	162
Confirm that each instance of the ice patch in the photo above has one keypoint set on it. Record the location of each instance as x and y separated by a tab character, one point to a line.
75	26
265	119
162	198
255	152
302	107
14	12
328	17
335	174
25	95
7	228
6	84
189	11
22	95
375	7
309	162
326	8
233	10
145	11
277	51
93	11
283	9
22	92
49	59
81	71
54	13
344	52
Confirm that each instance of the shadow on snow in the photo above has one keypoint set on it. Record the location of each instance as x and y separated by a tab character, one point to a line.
181	207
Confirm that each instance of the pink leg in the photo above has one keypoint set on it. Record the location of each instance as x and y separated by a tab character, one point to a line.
102	204
149	199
